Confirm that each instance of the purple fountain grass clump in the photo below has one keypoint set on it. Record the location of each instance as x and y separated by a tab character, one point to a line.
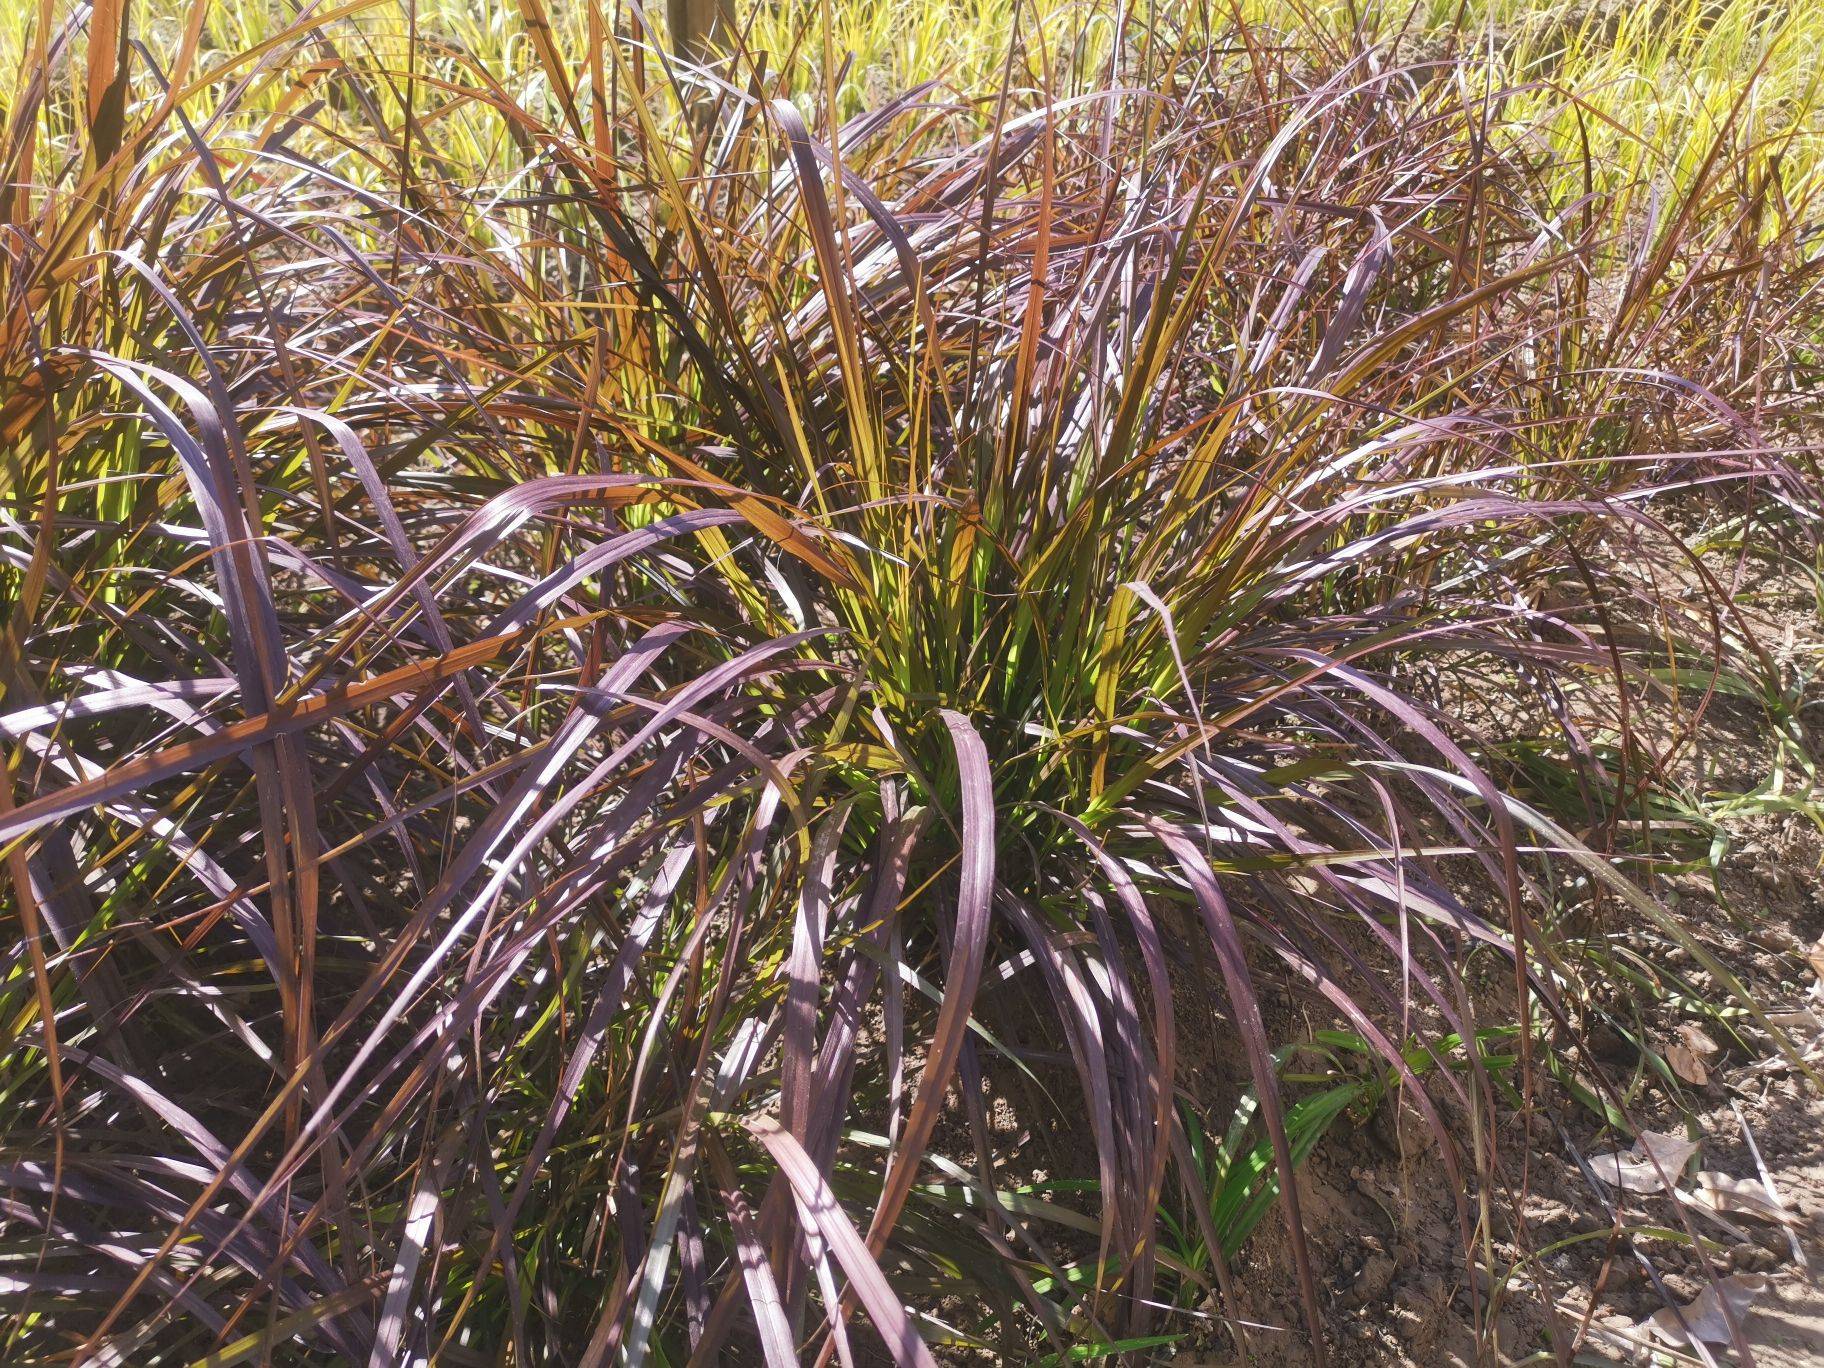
577	686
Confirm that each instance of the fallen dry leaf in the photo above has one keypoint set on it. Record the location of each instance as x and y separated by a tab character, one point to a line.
1740	1197
1799	1019
1686	1064
1697	1040
1693	1053
1639	1169
1704	1318
1815	953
